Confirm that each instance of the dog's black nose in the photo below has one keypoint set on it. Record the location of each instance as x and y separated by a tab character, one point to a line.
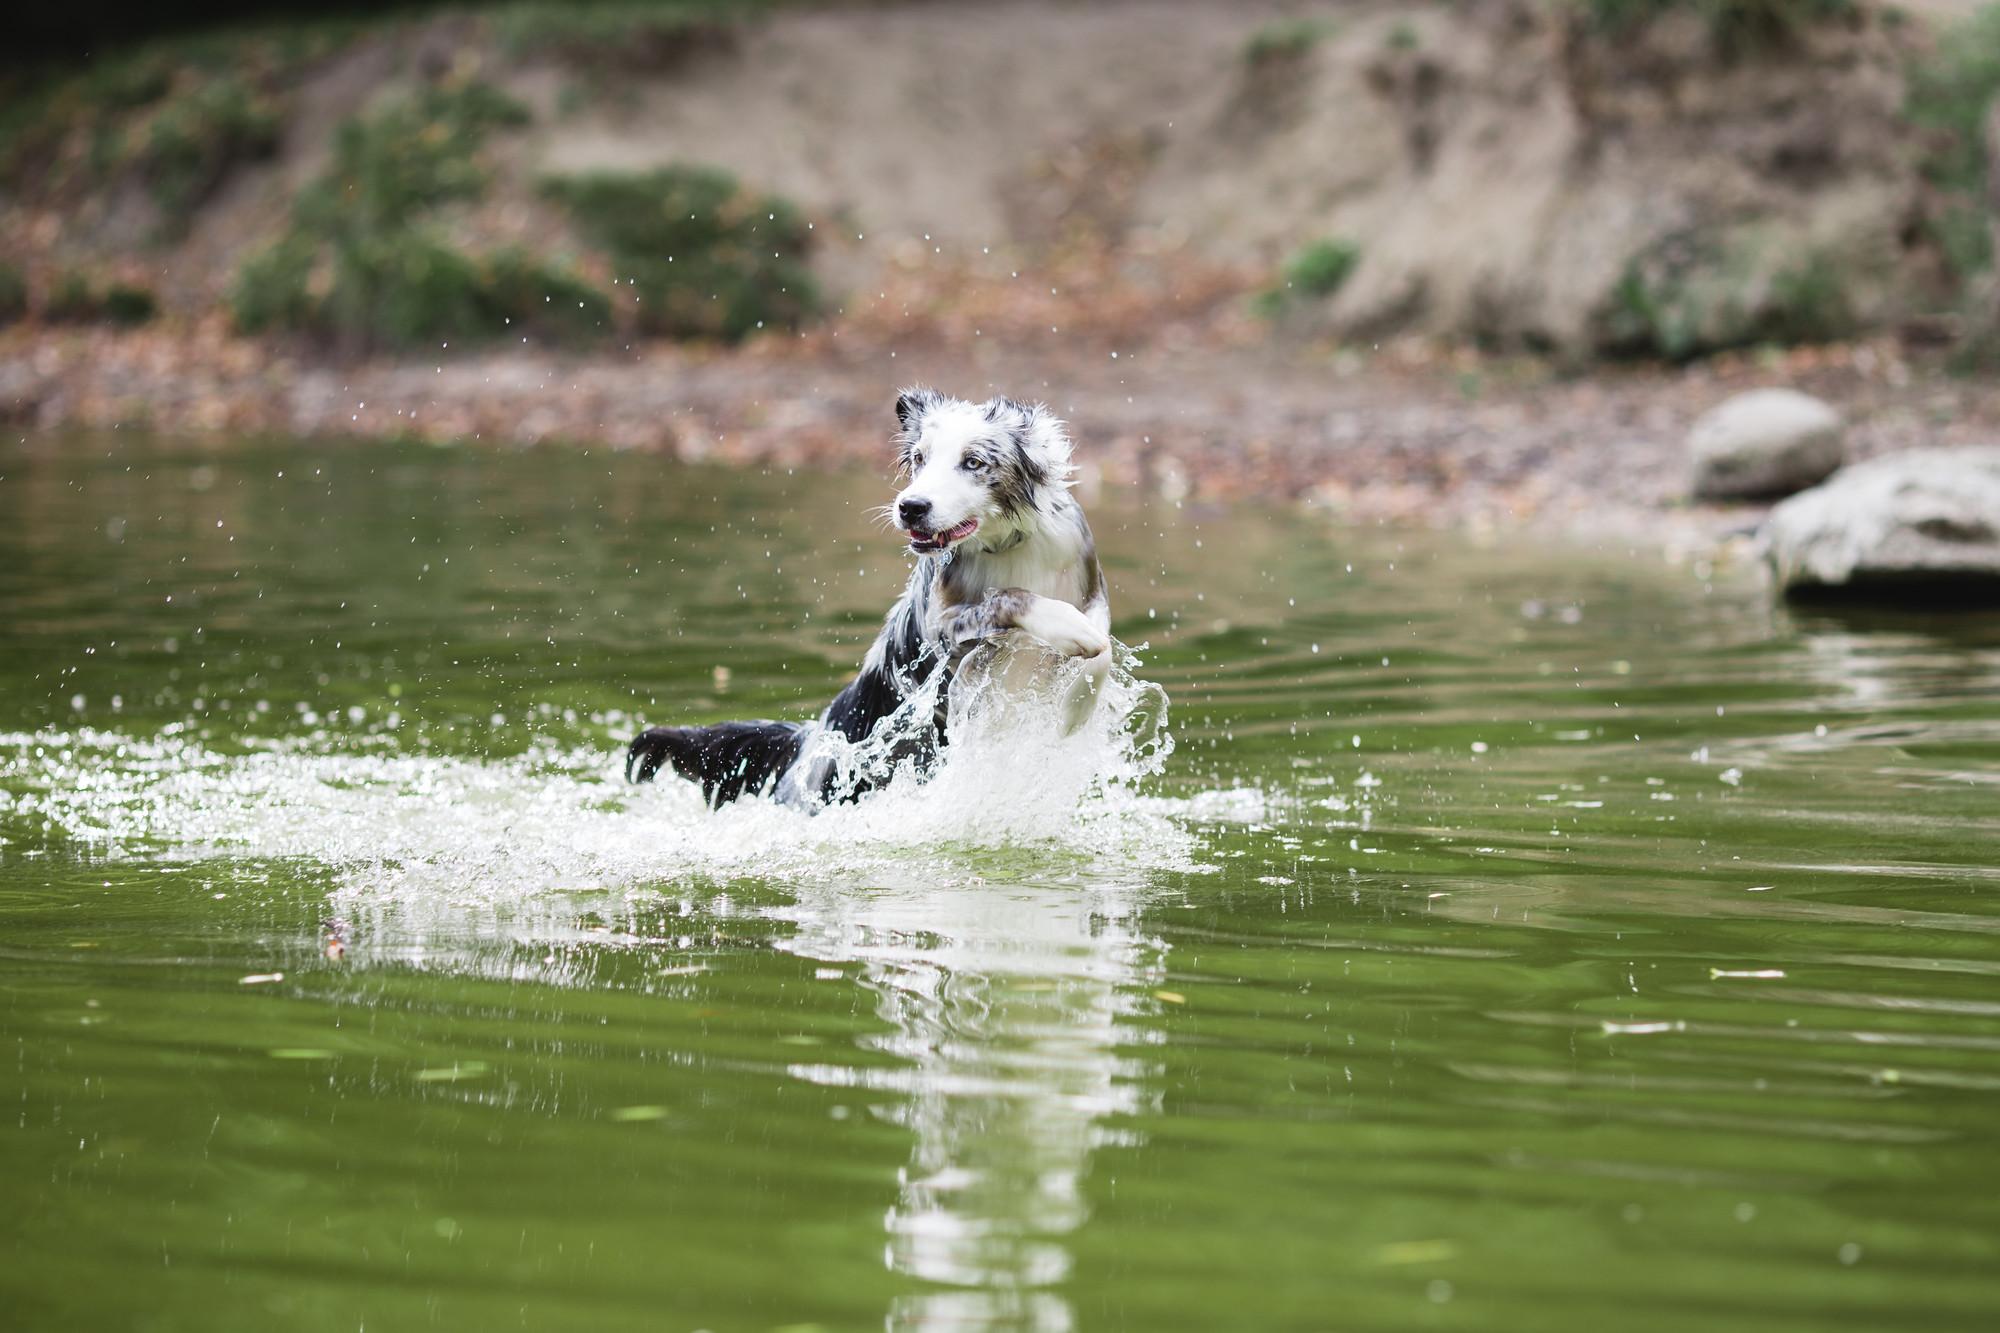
914	513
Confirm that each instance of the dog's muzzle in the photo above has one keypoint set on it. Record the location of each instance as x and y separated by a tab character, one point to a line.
922	541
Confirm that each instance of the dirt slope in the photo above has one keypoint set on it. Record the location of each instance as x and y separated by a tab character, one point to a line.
1505	172
1501	170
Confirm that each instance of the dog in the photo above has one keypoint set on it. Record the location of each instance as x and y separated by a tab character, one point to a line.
1001	546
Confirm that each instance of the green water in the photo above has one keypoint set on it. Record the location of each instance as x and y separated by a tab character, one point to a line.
1516	937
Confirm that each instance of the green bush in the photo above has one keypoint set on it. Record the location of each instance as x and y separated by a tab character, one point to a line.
191	143
1740	26
73	299
400	287
1316	269
13	294
1285	39
636	35
407	289
706	257
1949	94
177	115
70	300
274	288
361	263
128	305
1319	268
1693	294
547	302
409	156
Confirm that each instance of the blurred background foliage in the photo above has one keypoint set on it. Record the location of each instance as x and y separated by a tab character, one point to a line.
703	255
366	262
1952	94
57	33
1740	26
175	115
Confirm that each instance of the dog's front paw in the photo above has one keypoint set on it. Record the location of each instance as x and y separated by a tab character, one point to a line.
1080	700
1064	628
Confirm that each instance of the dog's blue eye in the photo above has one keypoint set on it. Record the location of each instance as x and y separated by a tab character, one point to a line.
974	464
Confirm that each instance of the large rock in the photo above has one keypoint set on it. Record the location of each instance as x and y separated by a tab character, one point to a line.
1922	523
1766	442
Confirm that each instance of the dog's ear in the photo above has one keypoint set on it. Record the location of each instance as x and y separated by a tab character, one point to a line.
911	404
1045	445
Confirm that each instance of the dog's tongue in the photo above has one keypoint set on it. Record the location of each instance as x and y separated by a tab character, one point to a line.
942	539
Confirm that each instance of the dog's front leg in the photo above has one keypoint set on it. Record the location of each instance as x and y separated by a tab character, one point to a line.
1056	623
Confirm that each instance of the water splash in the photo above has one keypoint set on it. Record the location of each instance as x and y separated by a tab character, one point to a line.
1012	792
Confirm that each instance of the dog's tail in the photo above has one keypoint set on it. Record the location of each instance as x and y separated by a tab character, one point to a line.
729	760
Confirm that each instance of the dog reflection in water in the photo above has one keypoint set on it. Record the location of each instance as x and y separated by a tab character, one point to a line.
1006	589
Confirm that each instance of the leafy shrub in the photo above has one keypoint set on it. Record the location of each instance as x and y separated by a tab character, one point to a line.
129	305
70	300
1285	39
176	114
404	288
409	156
706	257
73	299
1316	269
13	294
400	287
1739	26
1320	267
1698	293
192	142
1949	94
275	288
651	36
360	262
542	300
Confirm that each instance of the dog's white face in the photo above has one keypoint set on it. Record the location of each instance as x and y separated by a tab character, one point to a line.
976	469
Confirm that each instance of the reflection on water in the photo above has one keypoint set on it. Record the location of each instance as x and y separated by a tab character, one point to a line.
1003	1008
1507	937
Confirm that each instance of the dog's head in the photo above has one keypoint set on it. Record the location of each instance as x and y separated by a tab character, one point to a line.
987	468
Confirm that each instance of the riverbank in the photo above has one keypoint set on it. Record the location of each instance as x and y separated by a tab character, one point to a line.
1400	268
1410	433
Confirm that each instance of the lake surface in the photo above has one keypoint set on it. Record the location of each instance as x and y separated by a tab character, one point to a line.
1498	936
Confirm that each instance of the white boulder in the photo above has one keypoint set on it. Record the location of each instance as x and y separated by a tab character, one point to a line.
1922	523
1763	443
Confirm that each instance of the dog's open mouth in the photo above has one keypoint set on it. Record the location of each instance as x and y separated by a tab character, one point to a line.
921	540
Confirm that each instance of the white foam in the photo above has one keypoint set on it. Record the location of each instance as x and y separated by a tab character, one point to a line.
389	822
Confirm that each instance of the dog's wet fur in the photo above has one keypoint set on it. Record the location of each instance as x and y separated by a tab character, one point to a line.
1000	545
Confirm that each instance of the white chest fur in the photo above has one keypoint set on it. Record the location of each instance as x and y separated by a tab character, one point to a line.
1030	566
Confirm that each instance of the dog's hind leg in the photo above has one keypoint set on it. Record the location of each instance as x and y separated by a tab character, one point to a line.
729	760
